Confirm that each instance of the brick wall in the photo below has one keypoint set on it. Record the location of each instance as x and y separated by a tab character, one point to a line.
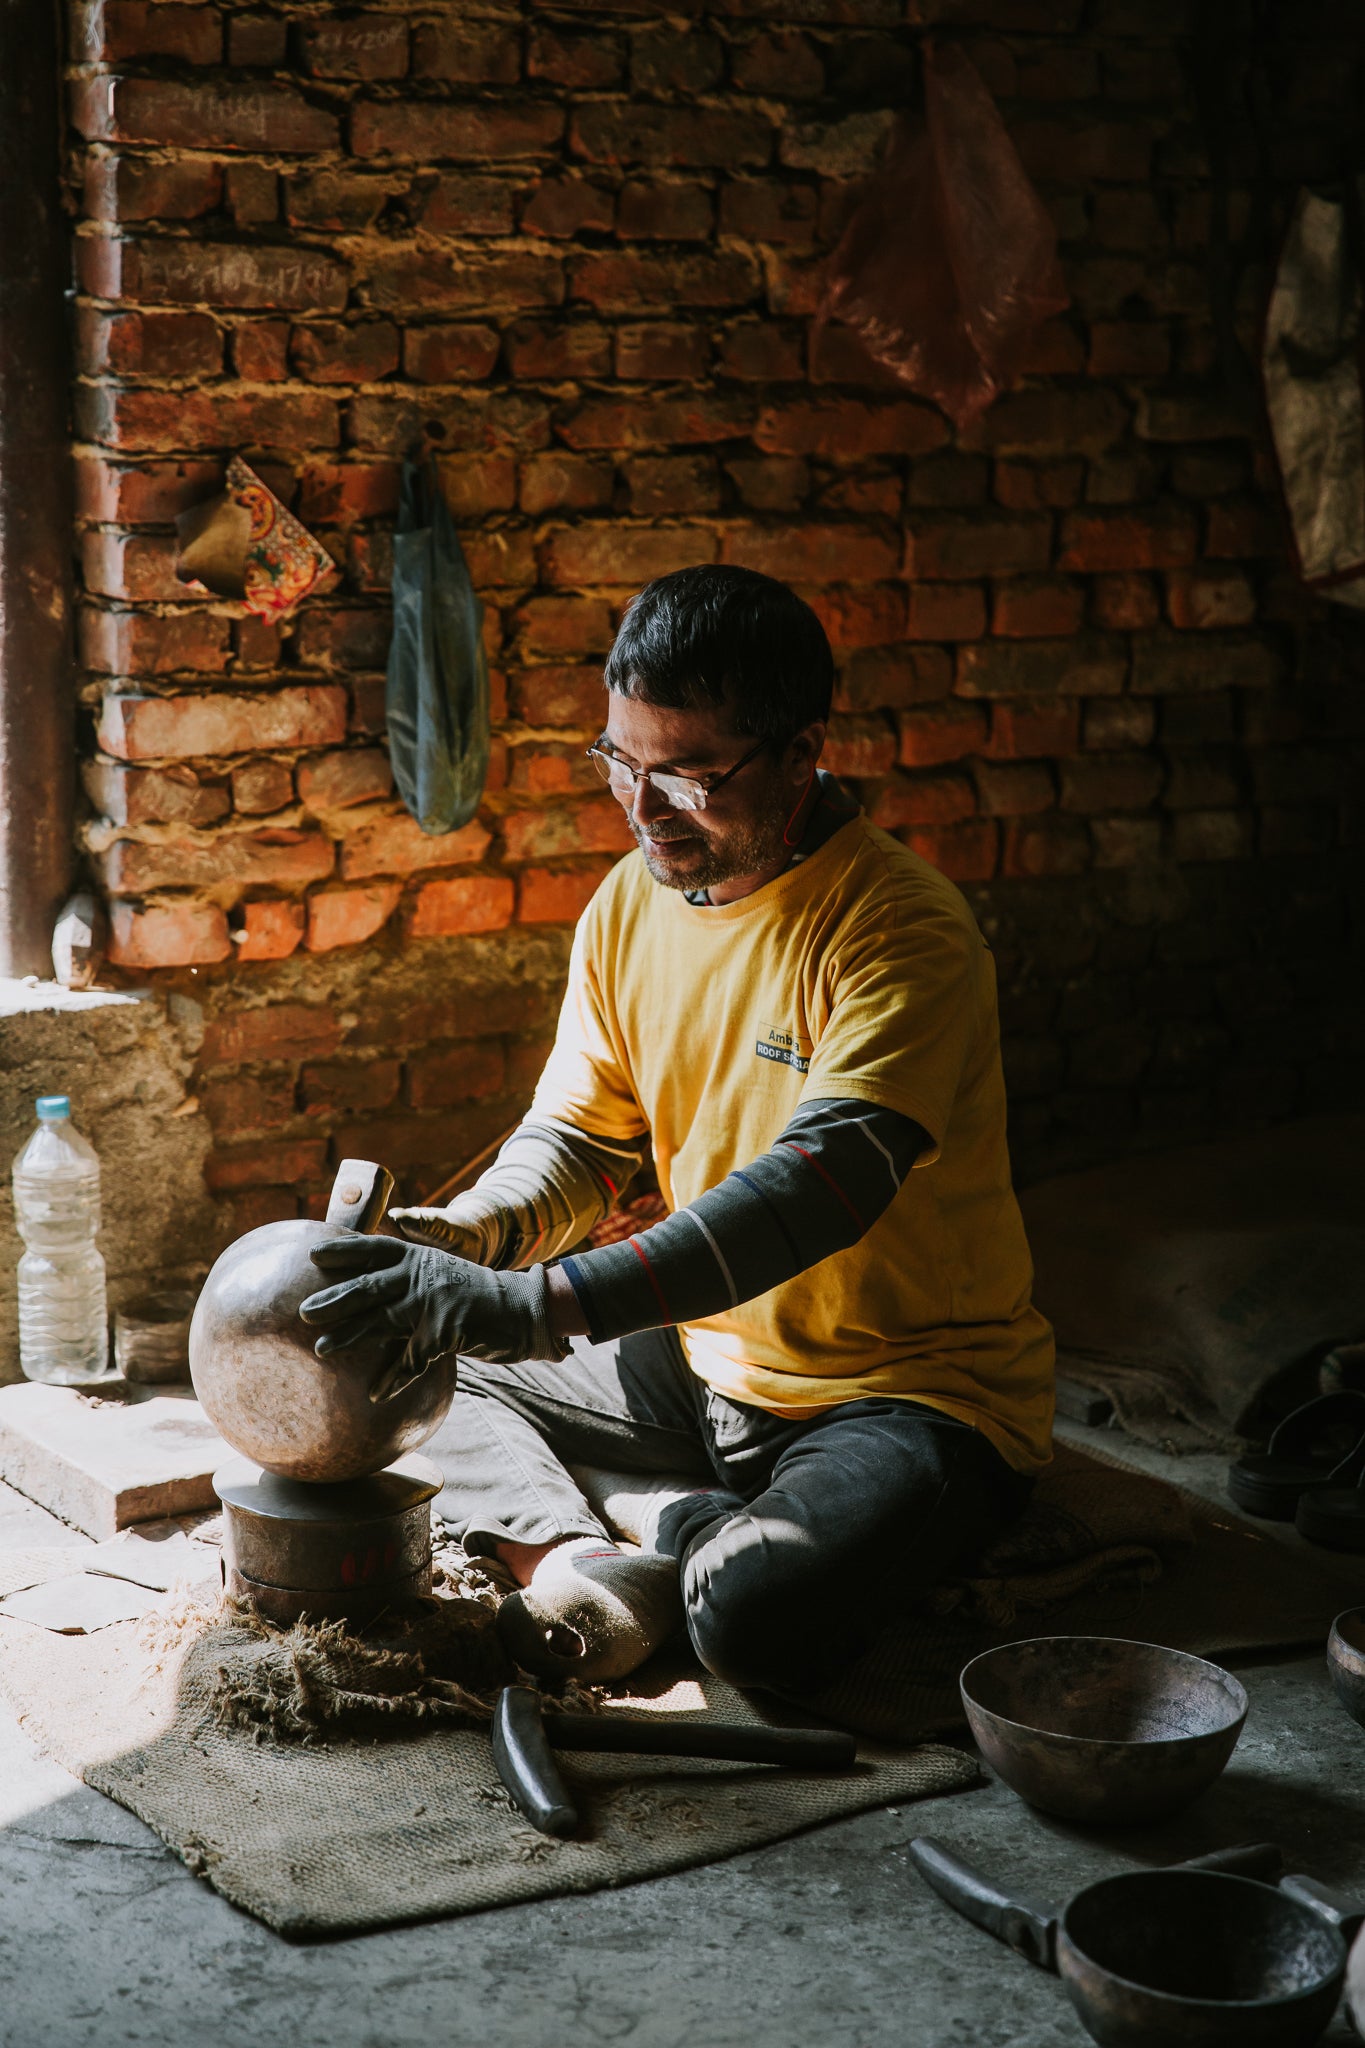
578	247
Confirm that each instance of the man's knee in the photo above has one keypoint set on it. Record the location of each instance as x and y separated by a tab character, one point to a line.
753	1626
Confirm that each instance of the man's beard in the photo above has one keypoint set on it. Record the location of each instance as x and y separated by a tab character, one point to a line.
742	851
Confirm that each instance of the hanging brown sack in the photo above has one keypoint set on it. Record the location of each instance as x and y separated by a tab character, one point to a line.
950	261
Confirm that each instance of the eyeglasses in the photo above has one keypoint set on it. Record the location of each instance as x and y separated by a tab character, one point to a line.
684	792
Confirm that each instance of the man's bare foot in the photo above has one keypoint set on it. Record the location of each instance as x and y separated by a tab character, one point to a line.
521	1559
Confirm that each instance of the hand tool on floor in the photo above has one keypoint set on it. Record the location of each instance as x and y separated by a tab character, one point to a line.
1198	1952
525	1733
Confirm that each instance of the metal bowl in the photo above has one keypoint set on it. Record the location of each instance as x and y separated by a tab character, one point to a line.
1346	1661
1093	1728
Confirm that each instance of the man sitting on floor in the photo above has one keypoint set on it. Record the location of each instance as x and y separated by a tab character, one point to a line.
830	1337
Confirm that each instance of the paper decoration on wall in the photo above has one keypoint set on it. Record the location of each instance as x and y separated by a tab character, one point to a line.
1311	368
950	260
244	543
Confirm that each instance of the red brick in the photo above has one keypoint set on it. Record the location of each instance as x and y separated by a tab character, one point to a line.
1110	782
1124	604
346	917
807	553
887	678
564	207
765	210
922	800
1030	728
1114	722
663	486
463	203
330	493
771	483
260	351
663	350
447	909
343	201
260	115
1037	609
953	546
859	747
462	133
650	423
343	639
331	352
358	46
446	355
1012	789
249	860
836	355
592	825
1198	599
668	213
143	644
613	553
588	63
615	134
567	350
945	611
469	52
150	493
1242	528
174	934
1051	846
845	430
131	188
276	1031
396	845
1084	666
565	625
561	482
1175	663
269	929
1072	152
147	344
259	787
177	728
139	420
349	1085
331	782
131	565
1084	420
1130	842
550	770
257	39
273	1162
867	615
140	796
965	853
474	484
761	352
439	1080
665	59
559	696
1038	486
1164	536
504	280
253	194
242	1102
778	64
112	31
558	895
638	281
1167	415
1129	348
941	732
1212	835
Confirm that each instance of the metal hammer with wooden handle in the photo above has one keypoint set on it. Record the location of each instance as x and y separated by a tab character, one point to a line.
525	1734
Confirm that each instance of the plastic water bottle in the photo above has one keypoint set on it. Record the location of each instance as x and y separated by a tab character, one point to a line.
63	1321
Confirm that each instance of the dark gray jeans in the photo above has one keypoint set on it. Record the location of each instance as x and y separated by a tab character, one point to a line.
803	1538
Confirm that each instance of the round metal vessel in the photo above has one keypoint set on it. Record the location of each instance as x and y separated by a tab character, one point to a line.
266	1391
1346	1661
1096	1729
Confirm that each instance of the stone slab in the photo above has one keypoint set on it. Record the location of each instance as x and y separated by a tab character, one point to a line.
103	1465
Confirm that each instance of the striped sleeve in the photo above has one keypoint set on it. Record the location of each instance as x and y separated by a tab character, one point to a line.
828	1177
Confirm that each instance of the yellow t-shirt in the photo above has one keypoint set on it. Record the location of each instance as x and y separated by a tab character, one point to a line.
858	973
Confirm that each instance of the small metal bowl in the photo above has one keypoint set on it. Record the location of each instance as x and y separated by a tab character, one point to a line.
1093	1728
1346	1661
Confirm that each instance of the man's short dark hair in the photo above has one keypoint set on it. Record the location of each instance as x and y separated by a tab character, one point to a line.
732	636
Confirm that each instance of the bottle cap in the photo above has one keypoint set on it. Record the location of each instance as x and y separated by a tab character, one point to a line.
53	1109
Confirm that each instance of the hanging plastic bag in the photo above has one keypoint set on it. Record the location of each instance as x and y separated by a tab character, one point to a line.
437	697
950	261
1311	367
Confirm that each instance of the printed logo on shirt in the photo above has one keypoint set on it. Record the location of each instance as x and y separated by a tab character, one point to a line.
786	1047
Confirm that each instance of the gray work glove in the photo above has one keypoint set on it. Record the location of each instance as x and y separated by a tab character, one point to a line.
470	1225
427	1304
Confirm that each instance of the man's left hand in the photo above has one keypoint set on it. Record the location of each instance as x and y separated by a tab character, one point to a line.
431	1302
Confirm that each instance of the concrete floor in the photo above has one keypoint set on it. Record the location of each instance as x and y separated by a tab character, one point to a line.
831	1938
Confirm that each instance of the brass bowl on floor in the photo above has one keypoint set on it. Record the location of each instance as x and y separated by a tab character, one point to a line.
1093	1728
1346	1661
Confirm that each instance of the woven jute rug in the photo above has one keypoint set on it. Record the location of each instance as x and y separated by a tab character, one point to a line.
325	1787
